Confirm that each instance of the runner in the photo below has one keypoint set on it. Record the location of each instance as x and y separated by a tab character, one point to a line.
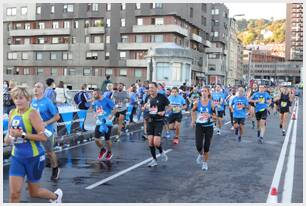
229	99
49	115
202	115
177	103
103	107
219	102
284	103
252	90
261	99
26	132
238	106
156	103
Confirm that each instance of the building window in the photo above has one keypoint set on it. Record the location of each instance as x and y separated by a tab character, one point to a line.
138	5
87	24
215	11
87	39
107	40
24	10
73	40
139	38
123	6
53	55
71	71
108	22
157	5
67	55
27	26
87	72
55	25
108	71
54	71
76	24
98	23
66	24
9	70
191	12
159	21
12	55
108	7
68	8
203	20
41	40
18	26
106	55
138	73
52	9
38	10
40	71
55	40
24	56
92	55
98	39
95	7
122	22
18	41
39	56
157	38
216	34
123	72
41	25
26	71
11	11
124	39
163	71
122	55
204	7
140	21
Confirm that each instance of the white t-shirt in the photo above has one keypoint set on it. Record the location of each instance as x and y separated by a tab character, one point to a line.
61	96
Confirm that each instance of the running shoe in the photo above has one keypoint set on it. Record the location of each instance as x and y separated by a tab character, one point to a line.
117	138
204	166
153	163
260	140
59	194
280	126
164	157
284	132
55	173
199	159
239	139
236	131
176	140
168	135
109	156
102	154
258	133
218	132
232	128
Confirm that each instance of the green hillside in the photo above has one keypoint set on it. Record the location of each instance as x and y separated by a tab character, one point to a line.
249	31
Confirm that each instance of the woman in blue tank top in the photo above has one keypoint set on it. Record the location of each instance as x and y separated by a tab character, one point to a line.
26	131
203	117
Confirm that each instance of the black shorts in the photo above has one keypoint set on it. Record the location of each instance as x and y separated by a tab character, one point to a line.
261	115
122	112
252	104
220	114
155	128
239	120
175	117
283	110
99	134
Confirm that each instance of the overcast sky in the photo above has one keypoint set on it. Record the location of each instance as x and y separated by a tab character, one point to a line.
258	10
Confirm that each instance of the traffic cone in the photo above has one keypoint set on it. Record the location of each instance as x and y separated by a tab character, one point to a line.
293	116
273	196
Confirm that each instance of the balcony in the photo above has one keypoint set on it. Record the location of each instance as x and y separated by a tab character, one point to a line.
96	46
160	28
39	47
207	43
197	38
39	32
136	63
141	46
95	30
214	50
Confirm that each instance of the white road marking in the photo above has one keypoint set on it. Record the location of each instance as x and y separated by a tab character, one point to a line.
280	164
288	185
122	172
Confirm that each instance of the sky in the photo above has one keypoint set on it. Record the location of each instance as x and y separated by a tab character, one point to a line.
257	10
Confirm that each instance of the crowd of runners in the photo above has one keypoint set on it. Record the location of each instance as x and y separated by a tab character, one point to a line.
33	115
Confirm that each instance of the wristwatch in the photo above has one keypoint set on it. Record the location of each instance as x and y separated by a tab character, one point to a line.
23	135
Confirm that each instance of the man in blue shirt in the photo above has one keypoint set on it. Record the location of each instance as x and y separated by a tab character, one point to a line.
103	108
219	102
239	106
177	104
49	115
262	100
49	92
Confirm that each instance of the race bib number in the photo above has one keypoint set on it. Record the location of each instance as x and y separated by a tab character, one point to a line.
153	110
176	109
283	104
203	117
216	102
100	111
240	106
261	100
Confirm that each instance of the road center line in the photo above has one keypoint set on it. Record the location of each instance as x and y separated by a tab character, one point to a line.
280	164
123	172
288	185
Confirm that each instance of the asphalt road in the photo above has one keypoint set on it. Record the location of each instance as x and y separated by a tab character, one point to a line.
238	172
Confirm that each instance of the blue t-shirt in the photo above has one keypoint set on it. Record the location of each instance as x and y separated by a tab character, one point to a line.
46	109
133	98
162	91
103	108
50	93
177	102
263	98
218	99
108	94
237	104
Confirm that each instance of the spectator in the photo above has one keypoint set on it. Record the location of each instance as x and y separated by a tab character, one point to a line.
61	94
49	92
8	103
104	84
